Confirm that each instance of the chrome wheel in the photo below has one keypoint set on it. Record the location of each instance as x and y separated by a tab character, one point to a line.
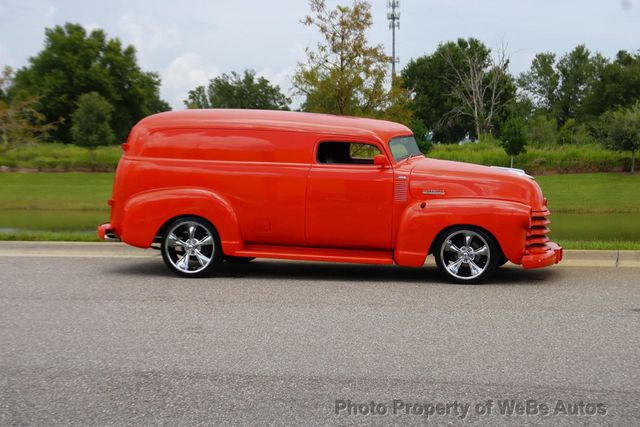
466	255
189	246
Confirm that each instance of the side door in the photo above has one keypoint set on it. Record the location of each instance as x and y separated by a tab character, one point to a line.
349	201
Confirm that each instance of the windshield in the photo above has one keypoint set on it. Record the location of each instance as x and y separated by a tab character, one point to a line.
403	147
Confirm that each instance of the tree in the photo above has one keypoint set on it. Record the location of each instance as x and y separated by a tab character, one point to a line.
236	91
560	88
541	130
618	85
513	137
20	123
578	70
478	83
622	131
541	82
398	104
90	122
345	74
424	78
73	63
6	79
460	87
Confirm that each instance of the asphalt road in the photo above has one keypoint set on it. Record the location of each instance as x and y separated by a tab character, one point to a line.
96	341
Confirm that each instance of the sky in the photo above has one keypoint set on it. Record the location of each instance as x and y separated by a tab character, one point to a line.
190	42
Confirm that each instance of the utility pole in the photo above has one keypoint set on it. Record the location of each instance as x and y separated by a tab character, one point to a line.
394	22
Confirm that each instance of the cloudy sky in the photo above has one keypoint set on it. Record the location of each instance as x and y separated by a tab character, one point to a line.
189	42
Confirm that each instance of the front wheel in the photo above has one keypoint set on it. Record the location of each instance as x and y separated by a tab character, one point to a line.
466	255
502	261
191	247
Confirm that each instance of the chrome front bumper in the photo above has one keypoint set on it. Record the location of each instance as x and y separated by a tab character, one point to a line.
107	232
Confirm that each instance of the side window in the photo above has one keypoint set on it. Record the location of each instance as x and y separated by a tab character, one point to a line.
347	153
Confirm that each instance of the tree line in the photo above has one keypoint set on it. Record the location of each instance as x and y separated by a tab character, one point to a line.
87	89
82	88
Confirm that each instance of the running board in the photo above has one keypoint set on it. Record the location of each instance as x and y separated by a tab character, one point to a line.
302	253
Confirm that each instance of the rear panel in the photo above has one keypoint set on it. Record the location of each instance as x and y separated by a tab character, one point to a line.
261	174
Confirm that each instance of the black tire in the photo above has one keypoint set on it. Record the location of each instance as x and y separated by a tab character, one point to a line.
238	259
502	261
201	247
472	251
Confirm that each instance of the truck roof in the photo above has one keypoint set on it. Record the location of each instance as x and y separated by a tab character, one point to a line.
273	120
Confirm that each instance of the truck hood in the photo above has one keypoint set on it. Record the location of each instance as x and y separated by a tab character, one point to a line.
431	178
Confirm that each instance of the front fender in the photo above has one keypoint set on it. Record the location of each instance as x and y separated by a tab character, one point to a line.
422	221
146	213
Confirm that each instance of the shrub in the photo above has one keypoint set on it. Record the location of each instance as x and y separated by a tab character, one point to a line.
574	133
514	137
59	157
622	131
541	130
537	160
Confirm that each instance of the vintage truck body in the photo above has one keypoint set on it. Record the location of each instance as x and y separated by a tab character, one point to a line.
208	185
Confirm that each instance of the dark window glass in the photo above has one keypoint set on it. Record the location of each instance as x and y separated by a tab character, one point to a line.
354	153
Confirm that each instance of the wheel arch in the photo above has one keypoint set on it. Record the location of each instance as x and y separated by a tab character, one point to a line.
148	214
163	228
452	226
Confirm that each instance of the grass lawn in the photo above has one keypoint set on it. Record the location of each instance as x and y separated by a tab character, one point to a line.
72	191
590	211
592	192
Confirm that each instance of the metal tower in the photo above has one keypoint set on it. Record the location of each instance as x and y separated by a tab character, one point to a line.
393	16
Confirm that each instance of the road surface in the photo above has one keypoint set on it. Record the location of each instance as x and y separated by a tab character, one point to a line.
117	340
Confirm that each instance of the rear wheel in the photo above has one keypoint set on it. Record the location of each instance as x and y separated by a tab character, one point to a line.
466	254
191	247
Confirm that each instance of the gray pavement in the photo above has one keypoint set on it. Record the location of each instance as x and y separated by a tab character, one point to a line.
572	258
105	335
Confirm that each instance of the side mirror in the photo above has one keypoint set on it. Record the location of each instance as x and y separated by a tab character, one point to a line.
380	160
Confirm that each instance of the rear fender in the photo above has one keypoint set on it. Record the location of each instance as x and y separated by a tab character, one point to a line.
421	223
146	213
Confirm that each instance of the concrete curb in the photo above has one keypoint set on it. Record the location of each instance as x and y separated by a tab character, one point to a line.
586	258
572	258
74	250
